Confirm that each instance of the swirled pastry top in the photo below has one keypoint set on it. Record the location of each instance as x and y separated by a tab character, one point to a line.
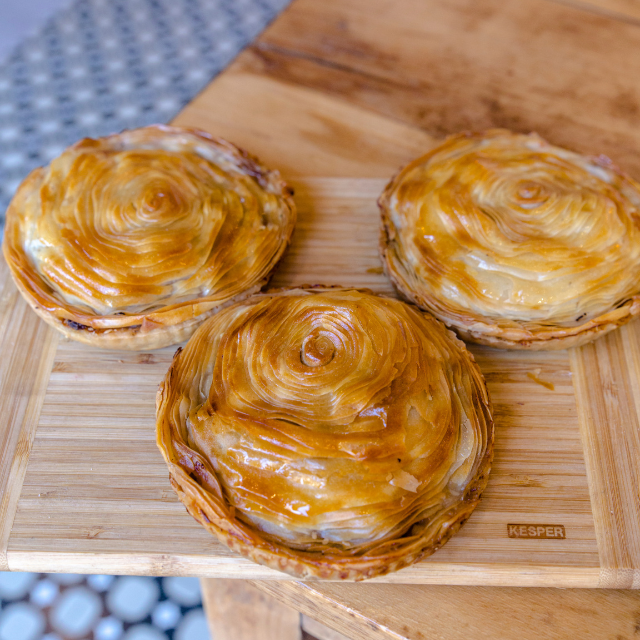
326	432
131	240
515	242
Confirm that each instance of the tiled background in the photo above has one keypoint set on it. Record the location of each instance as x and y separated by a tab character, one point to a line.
89	68
73	607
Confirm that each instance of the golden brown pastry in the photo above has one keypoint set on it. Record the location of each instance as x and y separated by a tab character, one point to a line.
326	432
513	242
132	240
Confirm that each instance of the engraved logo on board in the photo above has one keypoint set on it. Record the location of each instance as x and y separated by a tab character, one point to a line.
544	531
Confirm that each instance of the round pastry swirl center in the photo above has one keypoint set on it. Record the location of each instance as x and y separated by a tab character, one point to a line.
150	206
317	350
530	194
157	203
306	362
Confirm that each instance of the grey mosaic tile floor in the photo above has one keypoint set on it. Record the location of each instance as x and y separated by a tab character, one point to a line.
100	607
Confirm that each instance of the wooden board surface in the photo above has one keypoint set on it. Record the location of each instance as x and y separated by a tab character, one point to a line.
418	612
96	488
338	95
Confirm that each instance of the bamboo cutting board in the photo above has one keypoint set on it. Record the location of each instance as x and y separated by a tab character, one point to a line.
338	95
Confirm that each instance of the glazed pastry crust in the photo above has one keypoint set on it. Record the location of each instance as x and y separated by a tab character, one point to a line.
326	432
132	240
513	242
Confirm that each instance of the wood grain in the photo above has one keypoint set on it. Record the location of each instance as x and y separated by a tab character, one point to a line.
386	612
450	65
625	10
301	131
27	346
607	382
320	631
236	610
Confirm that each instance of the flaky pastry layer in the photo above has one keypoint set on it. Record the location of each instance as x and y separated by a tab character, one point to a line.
513	242
326	432
132	240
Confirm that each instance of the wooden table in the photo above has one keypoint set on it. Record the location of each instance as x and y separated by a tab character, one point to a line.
338	94
419	612
284	610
